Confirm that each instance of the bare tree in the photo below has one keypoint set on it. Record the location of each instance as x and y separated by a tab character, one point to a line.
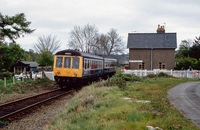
101	41
83	39
47	44
115	44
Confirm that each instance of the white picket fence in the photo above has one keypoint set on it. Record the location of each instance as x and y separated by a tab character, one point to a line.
174	73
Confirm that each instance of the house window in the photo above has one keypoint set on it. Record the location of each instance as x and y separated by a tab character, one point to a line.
141	66
162	65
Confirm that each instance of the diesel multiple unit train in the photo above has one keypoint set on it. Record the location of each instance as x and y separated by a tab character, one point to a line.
71	66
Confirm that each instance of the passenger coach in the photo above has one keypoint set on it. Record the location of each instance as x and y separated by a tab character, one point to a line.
71	66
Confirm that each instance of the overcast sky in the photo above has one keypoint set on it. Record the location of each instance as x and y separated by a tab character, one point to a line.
58	17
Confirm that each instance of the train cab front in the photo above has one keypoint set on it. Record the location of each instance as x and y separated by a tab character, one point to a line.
67	68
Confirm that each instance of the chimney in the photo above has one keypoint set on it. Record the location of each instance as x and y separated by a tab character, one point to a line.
161	29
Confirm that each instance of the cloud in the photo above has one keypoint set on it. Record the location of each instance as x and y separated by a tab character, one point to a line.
58	17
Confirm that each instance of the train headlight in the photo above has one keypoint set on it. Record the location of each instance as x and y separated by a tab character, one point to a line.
75	74
58	72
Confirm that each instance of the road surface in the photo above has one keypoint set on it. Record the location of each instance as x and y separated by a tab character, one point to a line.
186	98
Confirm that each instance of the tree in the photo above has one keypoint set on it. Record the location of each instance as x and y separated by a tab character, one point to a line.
115	44
32	54
13	27
101	41
195	49
197	41
184	48
45	59
10	55
186	63
47	44
83	39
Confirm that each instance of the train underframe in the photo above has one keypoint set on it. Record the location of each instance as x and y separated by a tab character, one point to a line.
75	81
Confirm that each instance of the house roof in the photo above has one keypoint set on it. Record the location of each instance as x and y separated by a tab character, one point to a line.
31	64
152	40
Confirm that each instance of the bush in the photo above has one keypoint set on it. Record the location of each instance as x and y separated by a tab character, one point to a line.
186	63
5	73
161	74
119	79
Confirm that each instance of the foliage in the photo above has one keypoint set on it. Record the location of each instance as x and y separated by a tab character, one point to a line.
47	44
186	63
13	27
45	59
195	51
197	64
187	52
159	75
119	79
5	73
10	55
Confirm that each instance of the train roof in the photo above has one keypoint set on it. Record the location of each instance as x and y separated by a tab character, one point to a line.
77	53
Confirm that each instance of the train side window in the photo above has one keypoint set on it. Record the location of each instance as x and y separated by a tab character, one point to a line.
75	63
87	64
59	61
67	63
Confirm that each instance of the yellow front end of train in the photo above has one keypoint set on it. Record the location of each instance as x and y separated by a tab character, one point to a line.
68	66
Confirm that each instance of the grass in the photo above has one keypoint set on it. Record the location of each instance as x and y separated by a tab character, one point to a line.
101	106
21	87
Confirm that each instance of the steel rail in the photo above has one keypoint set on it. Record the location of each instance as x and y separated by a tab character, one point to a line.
31	105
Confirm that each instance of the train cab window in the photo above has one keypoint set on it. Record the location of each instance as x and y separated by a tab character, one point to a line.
67	62
59	61
75	64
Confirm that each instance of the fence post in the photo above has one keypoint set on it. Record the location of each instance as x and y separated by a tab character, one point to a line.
13	79
22	77
35	76
5	82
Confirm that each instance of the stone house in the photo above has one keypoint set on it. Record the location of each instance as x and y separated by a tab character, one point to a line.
148	51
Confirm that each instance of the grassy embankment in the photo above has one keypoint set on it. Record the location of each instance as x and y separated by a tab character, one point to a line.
102	105
21	87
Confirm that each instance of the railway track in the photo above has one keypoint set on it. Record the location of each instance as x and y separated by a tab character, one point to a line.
10	111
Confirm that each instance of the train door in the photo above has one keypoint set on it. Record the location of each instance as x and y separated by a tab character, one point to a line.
77	63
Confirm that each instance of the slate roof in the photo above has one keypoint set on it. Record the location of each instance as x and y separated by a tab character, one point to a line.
152	40
31	64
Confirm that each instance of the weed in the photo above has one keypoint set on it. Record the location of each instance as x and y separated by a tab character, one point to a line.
4	122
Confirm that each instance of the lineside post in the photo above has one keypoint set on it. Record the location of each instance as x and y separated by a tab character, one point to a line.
5	82
13	79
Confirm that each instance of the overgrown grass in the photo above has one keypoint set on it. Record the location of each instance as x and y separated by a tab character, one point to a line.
21	87
100	106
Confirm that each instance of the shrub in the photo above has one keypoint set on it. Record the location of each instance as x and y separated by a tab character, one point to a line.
119	79
161	74
5	73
